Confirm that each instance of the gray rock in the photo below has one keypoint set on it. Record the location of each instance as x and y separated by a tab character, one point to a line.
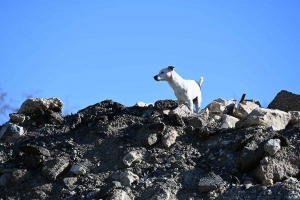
169	137
4	178
120	194
17	118
272	146
35	150
221	106
286	101
78	169
165	104
196	121
210	182
182	111
19	175
295	117
11	132
53	168
131	157
275	169
36	105
127	178
265	117
70	182
228	121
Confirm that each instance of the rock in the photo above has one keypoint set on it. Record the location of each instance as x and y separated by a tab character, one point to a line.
228	121
210	182
127	178
221	106
120	194
265	117
169	137
267	182
196	121
53	168
4	178
285	101
165	104
295	117
36	105
78	169
151	134
131	157
176	120
142	104
244	108
272	146
17	118
19	175
182	111
275	169
151	140
11	132
70	182
35	150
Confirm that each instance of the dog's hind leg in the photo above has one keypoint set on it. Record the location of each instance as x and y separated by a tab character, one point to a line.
191	105
197	102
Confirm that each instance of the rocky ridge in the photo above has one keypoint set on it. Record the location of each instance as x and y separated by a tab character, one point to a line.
163	151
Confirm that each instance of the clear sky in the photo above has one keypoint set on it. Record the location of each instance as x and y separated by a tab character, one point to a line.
84	52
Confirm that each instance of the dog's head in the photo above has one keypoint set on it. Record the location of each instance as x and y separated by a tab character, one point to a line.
164	74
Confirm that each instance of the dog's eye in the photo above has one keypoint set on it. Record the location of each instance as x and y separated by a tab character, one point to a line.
161	72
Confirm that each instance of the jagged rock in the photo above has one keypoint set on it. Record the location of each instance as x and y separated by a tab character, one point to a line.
275	169
131	157
182	111
272	146
19	175
176	120
244	108
53	168
221	106
78	169
265	117
228	121
169	137
36	105
210	182
70	182
120	194
295	117
267	182
11	132
127	178
165	104
17	118
285	101
35	150
196	121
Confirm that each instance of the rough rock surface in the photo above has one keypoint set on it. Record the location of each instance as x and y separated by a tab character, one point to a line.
286	101
81	156
33	105
265	117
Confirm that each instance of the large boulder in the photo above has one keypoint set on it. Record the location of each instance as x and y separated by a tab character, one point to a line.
228	121
11	132
265	117
244	108
286	101
221	106
38	105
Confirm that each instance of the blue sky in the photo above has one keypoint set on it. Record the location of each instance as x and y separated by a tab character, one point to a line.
84	52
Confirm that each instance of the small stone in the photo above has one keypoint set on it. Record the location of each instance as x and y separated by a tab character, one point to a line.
267	182
272	146
78	170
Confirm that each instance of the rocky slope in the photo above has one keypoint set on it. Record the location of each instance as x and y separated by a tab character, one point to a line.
150	152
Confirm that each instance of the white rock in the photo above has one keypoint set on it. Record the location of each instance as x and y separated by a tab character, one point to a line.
182	110
142	104
228	121
169	138
244	108
127	178
272	146
133	156
265	117
220	106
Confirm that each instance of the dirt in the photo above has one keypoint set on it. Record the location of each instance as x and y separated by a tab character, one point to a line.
203	162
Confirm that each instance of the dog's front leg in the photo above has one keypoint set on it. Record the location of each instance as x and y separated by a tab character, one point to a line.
191	104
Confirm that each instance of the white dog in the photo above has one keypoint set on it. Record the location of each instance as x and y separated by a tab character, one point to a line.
185	90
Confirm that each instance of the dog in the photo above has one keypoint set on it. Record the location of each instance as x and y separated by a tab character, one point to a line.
185	90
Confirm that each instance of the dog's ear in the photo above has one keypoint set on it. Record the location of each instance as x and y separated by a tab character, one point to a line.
171	68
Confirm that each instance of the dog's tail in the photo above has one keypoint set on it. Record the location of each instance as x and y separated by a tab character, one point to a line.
200	81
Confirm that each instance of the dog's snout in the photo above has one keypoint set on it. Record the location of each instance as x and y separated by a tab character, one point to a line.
156	78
